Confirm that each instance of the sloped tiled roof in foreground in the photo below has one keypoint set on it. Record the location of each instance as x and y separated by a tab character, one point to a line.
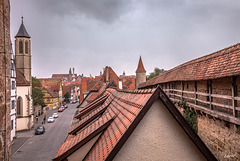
223	63
116	119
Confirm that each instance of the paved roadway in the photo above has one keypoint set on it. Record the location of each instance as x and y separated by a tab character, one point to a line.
44	147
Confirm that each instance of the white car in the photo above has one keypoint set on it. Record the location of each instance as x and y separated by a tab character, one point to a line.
50	120
55	115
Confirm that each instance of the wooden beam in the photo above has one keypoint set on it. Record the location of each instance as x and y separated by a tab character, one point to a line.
210	93
182	88
234	93
195	92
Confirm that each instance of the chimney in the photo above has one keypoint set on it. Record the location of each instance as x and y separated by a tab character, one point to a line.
120	83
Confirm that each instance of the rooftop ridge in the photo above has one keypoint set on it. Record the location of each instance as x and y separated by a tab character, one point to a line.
136	91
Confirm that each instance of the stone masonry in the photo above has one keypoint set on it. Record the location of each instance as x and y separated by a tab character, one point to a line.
221	137
5	83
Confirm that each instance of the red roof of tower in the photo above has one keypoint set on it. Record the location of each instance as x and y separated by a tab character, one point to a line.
140	68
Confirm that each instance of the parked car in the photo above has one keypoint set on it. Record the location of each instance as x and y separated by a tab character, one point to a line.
61	109
65	106
50	120
55	115
39	130
74	101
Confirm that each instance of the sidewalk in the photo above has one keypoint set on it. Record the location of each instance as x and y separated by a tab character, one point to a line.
23	136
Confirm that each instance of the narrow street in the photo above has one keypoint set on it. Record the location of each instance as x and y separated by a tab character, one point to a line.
44	147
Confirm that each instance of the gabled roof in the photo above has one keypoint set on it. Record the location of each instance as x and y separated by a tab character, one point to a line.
223	63
22	32
92	106
73	143
125	109
60	75
50	91
140	68
21	81
54	83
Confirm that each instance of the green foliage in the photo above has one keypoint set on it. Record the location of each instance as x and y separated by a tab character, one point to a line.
191	118
37	93
66	97
36	82
156	72
37	97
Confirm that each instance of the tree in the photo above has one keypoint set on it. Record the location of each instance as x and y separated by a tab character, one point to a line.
37	93
156	72
66	97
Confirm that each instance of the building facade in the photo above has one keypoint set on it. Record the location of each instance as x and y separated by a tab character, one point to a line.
25	112
13	96
5	80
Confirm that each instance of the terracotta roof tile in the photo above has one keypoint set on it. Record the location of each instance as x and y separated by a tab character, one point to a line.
140	68
54	83
123	107
92	106
72	143
51	92
21	81
223	63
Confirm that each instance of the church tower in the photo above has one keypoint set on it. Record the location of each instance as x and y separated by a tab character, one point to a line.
140	73
23	52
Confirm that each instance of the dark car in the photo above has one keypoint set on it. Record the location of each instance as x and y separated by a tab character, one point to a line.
39	130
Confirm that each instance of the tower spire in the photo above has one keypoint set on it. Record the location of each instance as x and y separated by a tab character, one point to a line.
140	68
22	19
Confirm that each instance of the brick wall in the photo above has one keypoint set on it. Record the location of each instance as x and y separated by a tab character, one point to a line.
5	66
221	137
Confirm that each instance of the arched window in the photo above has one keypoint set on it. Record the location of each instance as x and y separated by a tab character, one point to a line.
26	47
20	47
19	105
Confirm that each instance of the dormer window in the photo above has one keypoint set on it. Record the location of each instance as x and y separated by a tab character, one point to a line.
20	47
26	47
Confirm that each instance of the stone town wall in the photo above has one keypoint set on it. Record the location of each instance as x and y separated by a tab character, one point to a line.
5	80
221	137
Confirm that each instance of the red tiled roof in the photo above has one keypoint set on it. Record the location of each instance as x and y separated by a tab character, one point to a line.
92	105
50	91
93	96
21	81
73	143
223	63
54	83
60	75
124	110
140	68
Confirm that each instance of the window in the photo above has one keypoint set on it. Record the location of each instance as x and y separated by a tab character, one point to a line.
13	104
19	106
11	124
26	47
13	85
20	47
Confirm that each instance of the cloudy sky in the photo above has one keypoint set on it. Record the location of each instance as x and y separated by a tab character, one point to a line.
89	35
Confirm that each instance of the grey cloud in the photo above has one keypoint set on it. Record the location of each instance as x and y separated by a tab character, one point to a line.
104	10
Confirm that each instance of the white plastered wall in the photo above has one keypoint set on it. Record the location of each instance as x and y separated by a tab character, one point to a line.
159	137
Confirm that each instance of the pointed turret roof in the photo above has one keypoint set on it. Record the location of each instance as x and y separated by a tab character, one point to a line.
22	32
140	68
